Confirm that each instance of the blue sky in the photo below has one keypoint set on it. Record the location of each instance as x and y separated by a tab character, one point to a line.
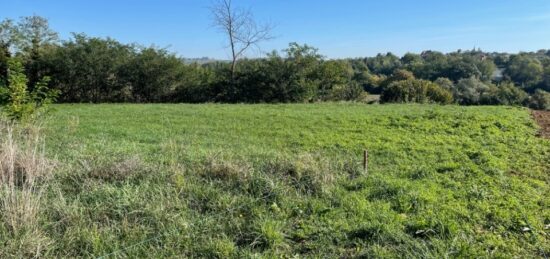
339	28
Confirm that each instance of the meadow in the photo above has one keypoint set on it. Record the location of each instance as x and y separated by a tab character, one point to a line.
286	180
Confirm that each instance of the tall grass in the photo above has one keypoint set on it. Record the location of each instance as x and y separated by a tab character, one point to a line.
24	171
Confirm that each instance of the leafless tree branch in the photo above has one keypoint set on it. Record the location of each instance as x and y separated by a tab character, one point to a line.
240	27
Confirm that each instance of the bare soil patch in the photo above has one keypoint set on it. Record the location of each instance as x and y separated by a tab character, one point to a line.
543	119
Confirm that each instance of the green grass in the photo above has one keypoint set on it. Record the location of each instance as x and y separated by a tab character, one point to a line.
283	180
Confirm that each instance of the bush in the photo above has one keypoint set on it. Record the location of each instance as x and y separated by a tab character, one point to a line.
199	84
505	94
397	75
301	76
470	91
525	70
418	91
335	82
4	95
348	92
87	69
540	100
152	75
18	103
445	83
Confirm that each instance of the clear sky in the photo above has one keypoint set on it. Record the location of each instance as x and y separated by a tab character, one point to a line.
339	28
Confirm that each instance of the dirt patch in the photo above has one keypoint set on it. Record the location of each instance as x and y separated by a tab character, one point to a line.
543	119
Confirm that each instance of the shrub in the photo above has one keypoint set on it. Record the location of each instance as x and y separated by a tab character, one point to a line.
89	69
4	94
335	82
19	103
153	75
540	100
402	74
470	91
397	75
505	94
413	90
445	83
349	92
525	71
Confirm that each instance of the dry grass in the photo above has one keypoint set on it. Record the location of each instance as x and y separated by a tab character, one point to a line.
309	173
217	167
24	171
120	169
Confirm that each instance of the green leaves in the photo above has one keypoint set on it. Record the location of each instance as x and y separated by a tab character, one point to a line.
540	100
19	103
414	90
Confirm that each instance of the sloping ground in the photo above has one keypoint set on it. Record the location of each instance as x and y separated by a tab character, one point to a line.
543	119
284	181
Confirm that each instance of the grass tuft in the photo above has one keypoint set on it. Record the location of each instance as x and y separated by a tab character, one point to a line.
114	170
24	173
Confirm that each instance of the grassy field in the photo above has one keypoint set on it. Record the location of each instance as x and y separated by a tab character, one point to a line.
217	180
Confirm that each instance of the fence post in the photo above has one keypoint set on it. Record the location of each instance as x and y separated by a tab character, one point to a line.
366	162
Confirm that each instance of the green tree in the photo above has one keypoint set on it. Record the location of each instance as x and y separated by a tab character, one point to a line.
487	68
335	81
433	66
302	62
506	93
362	75
525	71
152	75
9	35
35	32
540	100
199	82
292	78
546	79
88	69
36	37
410	60
397	75
417	91
445	83
470	91
384	64
461	66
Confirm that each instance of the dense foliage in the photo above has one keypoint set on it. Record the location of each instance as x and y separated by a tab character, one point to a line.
416	91
16	101
90	69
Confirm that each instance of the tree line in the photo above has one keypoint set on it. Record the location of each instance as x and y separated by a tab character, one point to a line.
91	69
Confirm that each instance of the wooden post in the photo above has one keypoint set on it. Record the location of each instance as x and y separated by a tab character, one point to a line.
366	162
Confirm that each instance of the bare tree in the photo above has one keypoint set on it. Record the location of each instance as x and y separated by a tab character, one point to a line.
240	27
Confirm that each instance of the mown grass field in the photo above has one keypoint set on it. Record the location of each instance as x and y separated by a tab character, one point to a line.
222	181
